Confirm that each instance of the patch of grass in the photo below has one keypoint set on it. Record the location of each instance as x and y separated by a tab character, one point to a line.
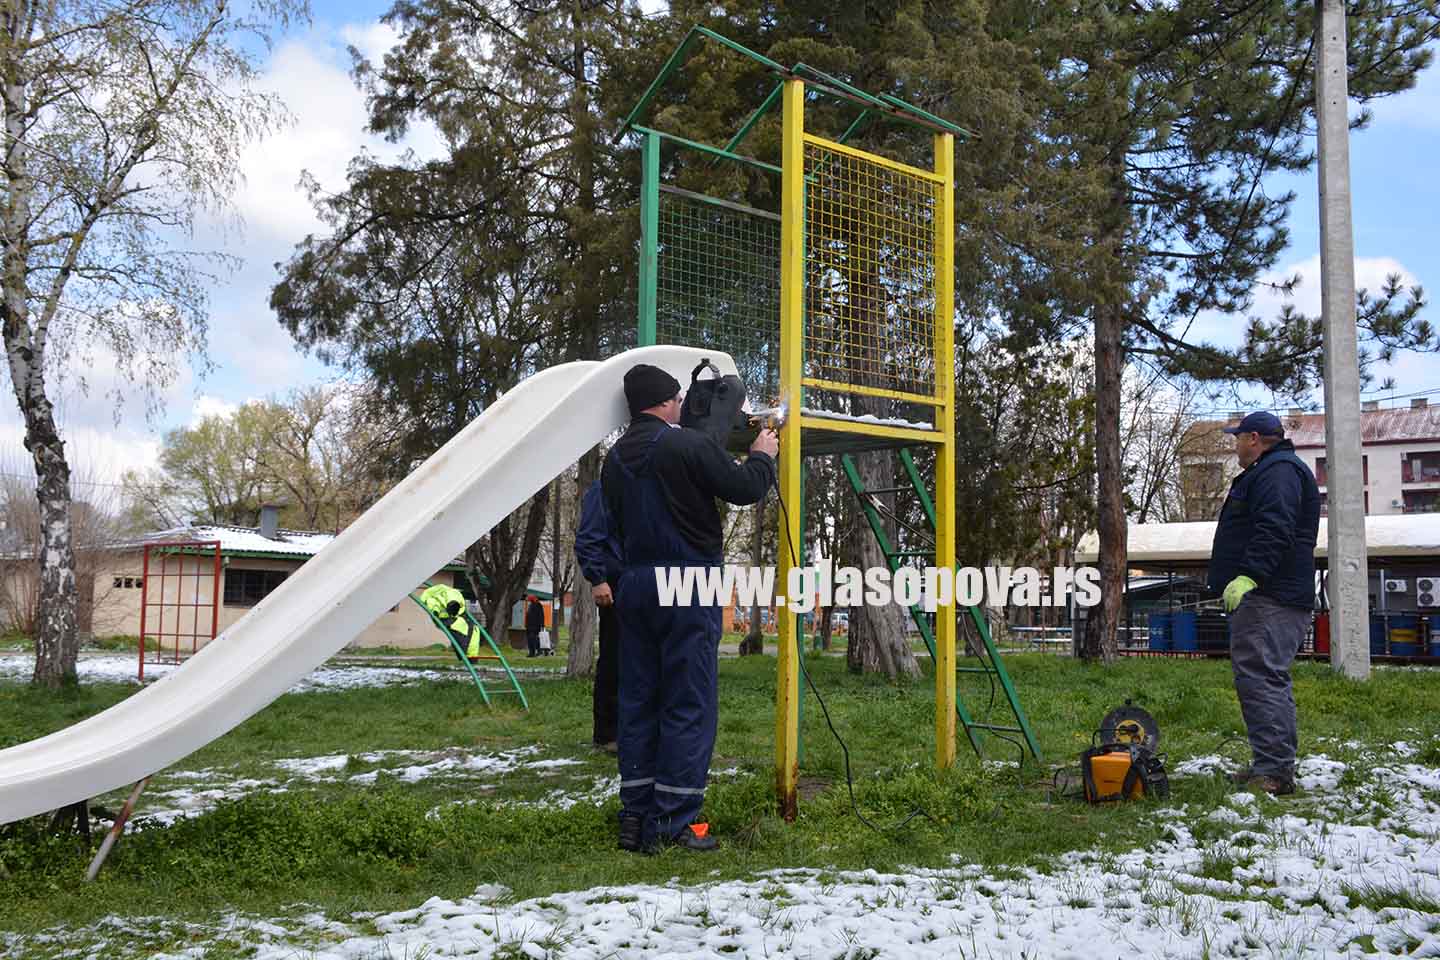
119	642
1378	896
341	847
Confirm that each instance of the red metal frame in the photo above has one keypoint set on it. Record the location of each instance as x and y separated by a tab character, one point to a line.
180	549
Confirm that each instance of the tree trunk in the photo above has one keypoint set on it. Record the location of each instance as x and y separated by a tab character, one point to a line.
584	625
1100	625
57	638
878	642
583	629
827	622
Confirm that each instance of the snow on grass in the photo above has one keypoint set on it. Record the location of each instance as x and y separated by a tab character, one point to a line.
170	803
1336	873
113	668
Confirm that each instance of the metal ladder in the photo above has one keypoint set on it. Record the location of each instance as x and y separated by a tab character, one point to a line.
494	654
989	661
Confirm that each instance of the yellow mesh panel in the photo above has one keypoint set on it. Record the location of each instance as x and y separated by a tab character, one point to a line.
869	271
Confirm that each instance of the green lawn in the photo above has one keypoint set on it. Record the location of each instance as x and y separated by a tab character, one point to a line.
346	846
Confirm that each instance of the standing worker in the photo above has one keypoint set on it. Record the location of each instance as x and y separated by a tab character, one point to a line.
1263	564
448	606
534	623
659	485
597	551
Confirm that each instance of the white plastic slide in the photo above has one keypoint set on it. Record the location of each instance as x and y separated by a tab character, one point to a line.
486	471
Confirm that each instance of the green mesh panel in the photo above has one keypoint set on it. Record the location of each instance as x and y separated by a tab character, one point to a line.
718	284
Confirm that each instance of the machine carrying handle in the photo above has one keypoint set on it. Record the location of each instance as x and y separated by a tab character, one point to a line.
704	362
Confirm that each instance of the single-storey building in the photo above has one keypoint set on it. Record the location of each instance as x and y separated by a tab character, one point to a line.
179	608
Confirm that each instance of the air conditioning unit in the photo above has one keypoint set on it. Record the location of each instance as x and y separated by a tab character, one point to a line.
1395	586
1427	591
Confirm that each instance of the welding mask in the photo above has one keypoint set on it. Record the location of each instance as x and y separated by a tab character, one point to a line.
715	405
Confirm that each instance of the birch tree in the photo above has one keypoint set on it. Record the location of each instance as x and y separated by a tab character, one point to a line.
124	119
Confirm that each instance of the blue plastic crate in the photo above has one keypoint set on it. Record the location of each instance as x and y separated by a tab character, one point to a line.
1160	627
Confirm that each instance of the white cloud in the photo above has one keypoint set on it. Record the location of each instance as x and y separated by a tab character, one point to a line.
312	77
373	40
206	405
1418	107
1370	274
253	356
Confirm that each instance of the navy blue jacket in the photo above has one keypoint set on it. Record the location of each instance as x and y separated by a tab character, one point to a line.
597	549
693	470
1267	529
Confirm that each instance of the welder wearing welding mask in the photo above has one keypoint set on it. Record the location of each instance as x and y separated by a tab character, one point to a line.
660	484
448	605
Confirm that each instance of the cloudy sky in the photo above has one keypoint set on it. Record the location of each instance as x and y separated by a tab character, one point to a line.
1395	212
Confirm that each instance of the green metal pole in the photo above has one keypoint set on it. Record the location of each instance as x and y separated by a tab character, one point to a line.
713	151
675	60
649	237
977	616
760	111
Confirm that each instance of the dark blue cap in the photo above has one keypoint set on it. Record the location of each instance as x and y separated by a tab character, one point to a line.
1261	422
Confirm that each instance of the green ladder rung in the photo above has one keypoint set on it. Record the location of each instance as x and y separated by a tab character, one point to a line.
997	727
892	559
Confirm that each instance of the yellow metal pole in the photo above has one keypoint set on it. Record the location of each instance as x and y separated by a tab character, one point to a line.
792	320
945	455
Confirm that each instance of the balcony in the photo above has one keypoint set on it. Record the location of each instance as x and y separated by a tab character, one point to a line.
1420	468
1421	501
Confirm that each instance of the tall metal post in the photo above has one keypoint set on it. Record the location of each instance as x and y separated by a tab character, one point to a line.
945	453
649	236
1349	576
792	312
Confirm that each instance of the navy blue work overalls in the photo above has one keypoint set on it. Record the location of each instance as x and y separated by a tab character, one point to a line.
668	664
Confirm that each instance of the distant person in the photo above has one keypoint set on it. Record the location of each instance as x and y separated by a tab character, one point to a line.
660	484
534	623
597	551
448	606
1263	564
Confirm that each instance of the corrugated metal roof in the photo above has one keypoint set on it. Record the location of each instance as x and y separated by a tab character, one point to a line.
299	543
1394	425
1391	535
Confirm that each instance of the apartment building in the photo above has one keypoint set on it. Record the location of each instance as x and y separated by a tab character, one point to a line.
1400	446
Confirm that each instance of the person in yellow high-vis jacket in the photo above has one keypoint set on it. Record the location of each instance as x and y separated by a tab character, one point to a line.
448	605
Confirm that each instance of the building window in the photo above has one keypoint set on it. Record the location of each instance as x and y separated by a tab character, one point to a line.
1420	467
1422	501
1320	470
245	588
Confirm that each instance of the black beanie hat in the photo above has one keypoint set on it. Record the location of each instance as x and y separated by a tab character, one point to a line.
647	386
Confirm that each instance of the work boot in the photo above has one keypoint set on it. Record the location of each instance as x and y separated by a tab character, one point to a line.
631	831
1276	786
1243	777
695	837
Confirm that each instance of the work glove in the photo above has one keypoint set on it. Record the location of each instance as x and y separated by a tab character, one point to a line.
1235	591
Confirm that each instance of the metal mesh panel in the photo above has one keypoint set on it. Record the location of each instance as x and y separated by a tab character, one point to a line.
869	272
718	284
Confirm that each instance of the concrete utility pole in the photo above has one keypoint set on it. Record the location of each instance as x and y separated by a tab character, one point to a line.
1348	582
